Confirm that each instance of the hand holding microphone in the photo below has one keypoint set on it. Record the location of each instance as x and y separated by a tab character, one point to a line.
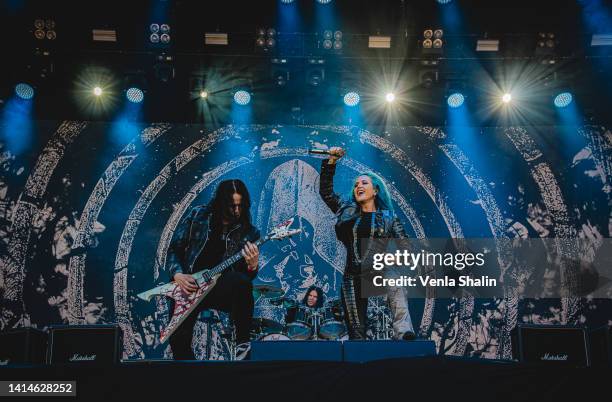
334	153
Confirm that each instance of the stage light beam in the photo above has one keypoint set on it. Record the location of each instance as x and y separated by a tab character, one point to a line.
351	99
563	99
242	97
455	100
134	95
24	91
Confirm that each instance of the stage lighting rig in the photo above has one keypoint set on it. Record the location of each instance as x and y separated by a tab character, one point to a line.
332	41
242	97
546	47
135	86
159	34
432	42
24	91
563	99
44	29
351	98
265	39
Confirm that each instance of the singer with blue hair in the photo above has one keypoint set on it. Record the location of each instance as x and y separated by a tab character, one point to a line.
366	215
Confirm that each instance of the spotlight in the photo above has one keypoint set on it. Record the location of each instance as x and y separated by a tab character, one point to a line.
332	40
159	33
390	97
203	94
24	91
242	97
265	38
287	1
351	98
44	29
97	91
546	47
324	1
563	99
134	95
443	1
455	100
507	98
432	41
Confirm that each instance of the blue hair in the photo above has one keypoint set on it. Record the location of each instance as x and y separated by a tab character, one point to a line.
383	198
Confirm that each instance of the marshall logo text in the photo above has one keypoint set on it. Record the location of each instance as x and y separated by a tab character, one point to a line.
82	358
558	357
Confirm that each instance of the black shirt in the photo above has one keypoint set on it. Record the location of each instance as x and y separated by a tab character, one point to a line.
212	254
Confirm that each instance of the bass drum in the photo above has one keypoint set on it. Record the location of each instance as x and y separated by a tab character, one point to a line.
300	326
332	326
274	337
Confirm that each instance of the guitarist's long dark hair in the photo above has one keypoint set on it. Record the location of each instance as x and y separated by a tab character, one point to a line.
224	197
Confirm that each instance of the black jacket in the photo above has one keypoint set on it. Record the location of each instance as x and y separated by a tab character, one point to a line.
386	224
191	236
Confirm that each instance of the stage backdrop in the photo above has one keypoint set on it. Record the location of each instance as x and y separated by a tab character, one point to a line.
88	210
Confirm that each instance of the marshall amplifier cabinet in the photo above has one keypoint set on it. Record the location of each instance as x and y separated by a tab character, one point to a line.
601	346
551	344
22	346
84	344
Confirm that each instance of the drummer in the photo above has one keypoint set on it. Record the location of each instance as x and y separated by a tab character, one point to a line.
313	298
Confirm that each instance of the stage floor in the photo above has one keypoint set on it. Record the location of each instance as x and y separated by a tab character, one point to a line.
414	379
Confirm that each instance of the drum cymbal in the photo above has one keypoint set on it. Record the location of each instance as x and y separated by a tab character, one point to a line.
266	291
260	324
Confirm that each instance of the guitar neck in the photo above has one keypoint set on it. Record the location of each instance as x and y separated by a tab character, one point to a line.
207	275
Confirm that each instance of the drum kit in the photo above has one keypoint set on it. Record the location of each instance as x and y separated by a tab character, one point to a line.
301	322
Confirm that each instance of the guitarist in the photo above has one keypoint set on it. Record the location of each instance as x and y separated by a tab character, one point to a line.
207	236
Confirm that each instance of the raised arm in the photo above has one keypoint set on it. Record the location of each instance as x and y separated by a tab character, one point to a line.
326	182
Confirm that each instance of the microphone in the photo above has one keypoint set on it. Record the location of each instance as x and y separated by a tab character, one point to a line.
318	151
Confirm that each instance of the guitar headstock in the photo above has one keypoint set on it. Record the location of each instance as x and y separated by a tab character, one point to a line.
283	230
